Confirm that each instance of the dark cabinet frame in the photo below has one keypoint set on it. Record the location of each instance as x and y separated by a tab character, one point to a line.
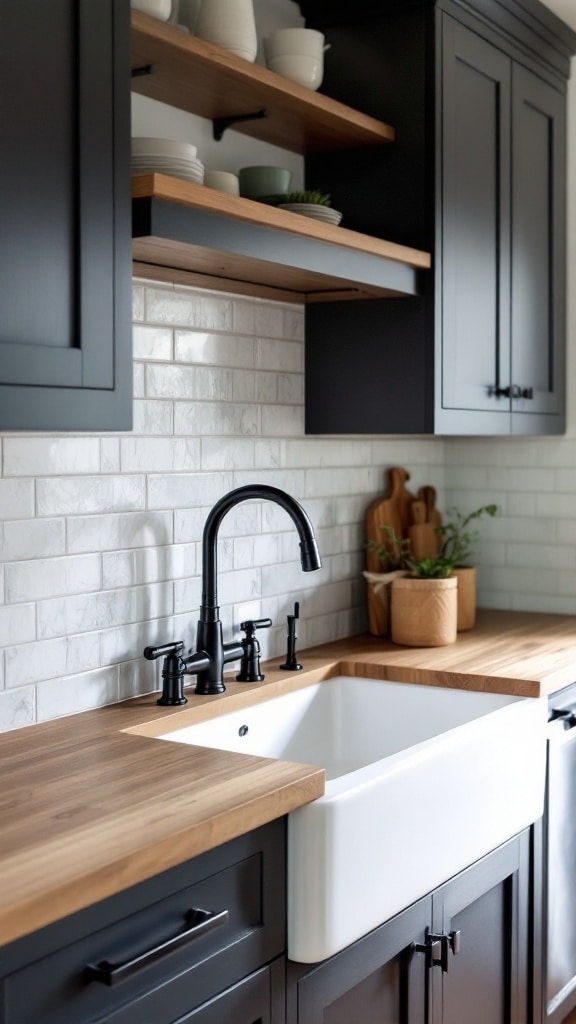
65	262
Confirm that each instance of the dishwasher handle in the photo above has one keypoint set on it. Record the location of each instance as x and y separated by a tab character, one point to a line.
567	716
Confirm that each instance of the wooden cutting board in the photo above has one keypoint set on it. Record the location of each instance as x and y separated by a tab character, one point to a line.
428	496
422	534
394	510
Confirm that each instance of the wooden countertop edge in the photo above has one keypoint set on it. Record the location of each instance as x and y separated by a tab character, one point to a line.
36	905
86	811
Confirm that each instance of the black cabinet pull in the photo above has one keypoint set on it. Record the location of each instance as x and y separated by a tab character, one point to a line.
514	391
198	923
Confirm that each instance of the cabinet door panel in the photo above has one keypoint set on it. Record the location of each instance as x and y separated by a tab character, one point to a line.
65	358
538	242
487	981
475	249
379	978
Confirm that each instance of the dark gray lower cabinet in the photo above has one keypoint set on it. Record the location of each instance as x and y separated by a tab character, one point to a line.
460	955
203	942
65	258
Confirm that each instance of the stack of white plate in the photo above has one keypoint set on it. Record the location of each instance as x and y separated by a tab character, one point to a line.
167	156
314	210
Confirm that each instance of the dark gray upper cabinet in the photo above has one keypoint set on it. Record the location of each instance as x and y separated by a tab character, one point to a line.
65	260
478	176
501	280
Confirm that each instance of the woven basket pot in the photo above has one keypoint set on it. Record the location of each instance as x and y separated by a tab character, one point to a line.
466	576
424	613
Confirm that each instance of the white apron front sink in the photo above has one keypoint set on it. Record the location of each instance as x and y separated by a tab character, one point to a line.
421	782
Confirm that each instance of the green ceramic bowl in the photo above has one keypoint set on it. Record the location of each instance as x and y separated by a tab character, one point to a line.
257	182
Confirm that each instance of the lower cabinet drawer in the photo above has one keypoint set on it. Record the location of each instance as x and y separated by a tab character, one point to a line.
249	1001
175	941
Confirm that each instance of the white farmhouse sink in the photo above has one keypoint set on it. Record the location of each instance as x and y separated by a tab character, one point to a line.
421	782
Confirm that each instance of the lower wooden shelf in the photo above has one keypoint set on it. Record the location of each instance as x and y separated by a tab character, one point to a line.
187	232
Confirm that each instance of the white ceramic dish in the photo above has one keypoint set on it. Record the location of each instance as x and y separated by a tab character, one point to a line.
306	71
161	9
421	782
302	41
315	211
144	146
186	172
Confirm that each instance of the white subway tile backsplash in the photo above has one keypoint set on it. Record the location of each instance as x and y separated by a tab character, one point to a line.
185	308
202	347
283	420
216	418
100	537
50	577
191	383
67	616
152	343
16	499
148	565
159	454
153	417
17	623
51	659
73	495
17	708
37	456
116	532
58	697
279	356
184	490
32	538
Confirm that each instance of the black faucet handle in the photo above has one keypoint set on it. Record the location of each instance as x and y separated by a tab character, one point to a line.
250	661
251	625
151	653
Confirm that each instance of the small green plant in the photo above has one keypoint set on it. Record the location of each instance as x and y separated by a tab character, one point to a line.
457	540
397	554
308	196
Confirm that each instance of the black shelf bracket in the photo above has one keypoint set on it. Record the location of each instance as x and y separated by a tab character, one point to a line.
146	69
220	124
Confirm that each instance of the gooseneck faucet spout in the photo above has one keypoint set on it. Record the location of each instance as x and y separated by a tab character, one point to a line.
211	654
209	634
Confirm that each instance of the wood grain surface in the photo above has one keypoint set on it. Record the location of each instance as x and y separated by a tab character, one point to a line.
197	76
93	803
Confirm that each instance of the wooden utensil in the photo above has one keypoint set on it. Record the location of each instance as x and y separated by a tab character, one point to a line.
422	535
393	511
428	496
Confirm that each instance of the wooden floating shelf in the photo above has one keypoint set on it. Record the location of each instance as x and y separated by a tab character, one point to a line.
193	75
228	243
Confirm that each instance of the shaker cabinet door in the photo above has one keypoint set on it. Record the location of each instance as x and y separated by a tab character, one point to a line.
65	264
474	269
538	324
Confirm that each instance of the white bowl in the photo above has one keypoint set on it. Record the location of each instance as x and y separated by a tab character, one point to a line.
307	71
223	181
306	42
161	9
163	147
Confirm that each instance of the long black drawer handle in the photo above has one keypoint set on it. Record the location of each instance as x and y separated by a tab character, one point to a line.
198	923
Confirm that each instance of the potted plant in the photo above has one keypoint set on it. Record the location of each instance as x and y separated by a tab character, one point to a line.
457	543
423	602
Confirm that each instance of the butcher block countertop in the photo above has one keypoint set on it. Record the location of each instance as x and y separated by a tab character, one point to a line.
93	803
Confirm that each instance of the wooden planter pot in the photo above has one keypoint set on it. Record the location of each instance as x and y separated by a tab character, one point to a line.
466	576
424	613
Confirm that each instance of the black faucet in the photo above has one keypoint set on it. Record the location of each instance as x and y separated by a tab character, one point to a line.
211	654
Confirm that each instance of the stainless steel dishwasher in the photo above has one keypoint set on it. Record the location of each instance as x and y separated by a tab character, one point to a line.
560	860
